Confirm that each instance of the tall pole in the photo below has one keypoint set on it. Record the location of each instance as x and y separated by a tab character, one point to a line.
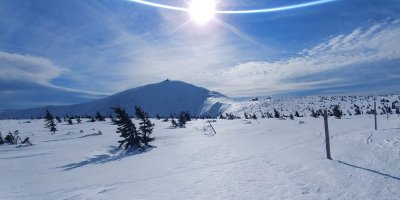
328	148
376	123
387	111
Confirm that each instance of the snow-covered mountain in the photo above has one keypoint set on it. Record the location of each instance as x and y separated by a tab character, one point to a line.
164	98
171	97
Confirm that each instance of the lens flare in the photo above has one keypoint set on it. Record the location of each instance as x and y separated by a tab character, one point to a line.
263	10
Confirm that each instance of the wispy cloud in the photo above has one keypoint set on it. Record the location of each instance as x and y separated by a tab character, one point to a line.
171	51
378	43
238	32
110	46
27	67
35	70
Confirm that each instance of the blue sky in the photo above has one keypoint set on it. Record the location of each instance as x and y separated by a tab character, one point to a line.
70	51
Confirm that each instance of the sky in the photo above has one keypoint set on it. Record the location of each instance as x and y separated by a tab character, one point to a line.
71	51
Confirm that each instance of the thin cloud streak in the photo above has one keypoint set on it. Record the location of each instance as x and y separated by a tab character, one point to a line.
378	43
35	70
238	32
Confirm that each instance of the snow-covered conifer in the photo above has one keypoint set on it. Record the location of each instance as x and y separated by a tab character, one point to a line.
49	122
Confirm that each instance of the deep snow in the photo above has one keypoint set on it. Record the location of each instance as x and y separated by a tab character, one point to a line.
264	159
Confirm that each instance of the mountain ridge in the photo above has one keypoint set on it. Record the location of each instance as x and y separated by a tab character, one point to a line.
163	98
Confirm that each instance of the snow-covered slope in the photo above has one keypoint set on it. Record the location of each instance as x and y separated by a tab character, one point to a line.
164	98
264	159
305	105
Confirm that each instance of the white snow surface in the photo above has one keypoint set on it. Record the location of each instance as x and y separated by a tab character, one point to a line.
304	105
264	159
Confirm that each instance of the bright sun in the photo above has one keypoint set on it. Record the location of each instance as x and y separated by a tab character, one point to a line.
202	11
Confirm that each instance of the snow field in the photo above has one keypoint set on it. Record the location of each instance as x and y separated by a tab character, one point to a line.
264	159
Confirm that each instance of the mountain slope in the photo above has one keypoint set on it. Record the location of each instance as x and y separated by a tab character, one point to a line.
164	98
305	105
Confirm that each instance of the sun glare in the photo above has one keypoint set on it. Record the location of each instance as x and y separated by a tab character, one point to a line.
202	11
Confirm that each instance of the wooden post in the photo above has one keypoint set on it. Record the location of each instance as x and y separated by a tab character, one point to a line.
376	123
387	109
328	148
212	128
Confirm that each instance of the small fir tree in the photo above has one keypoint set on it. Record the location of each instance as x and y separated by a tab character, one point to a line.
173	123
1	139
357	110
276	114
58	119
389	110
27	142
230	116
349	113
183	118
145	126
314	114
49	122
112	119
99	117
394	104
127	129
337	112
181	121
330	113
187	116
10	139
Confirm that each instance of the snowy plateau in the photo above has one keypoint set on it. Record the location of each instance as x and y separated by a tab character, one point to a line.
260	158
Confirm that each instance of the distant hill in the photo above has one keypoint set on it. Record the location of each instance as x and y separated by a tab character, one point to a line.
164	98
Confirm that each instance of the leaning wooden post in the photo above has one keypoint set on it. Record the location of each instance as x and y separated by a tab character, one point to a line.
212	128
328	148
376	123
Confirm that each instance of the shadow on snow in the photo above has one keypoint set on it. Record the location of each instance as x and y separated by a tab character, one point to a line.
370	170
72	138
112	155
